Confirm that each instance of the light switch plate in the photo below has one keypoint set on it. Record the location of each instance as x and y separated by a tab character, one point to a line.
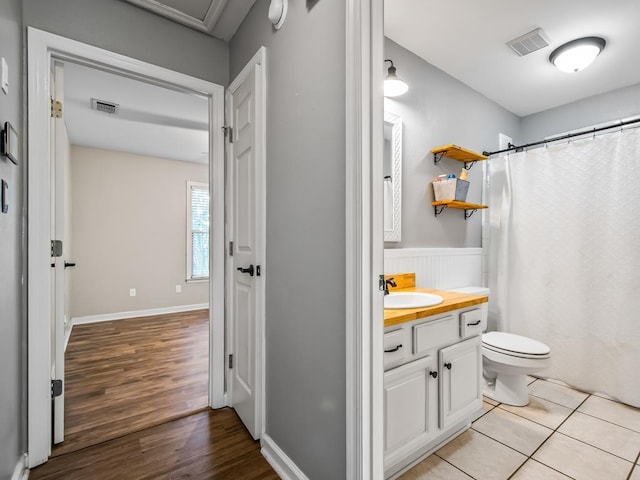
5	197
4	82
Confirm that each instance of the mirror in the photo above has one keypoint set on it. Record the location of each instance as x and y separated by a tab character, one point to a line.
392	171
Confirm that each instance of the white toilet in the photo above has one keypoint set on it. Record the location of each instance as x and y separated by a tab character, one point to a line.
506	361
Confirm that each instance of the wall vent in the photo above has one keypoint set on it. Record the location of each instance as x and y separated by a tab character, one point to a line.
103	106
529	42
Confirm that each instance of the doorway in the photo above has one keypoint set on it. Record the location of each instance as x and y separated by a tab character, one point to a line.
44	49
130	190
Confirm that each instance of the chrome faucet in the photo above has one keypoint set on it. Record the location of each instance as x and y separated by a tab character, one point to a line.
387	282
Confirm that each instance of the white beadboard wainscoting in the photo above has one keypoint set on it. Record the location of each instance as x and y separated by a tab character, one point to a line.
442	268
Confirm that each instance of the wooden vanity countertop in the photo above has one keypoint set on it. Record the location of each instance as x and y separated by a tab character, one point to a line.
452	301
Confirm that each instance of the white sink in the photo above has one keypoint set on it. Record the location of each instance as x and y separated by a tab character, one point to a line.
411	300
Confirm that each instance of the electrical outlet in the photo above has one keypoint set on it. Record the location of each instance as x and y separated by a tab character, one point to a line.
178	288
132	292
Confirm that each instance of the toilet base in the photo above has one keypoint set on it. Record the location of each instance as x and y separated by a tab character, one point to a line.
508	389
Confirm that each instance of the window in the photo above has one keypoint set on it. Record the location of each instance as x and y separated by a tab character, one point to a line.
197	231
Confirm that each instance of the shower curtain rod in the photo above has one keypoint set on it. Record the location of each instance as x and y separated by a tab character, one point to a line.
518	148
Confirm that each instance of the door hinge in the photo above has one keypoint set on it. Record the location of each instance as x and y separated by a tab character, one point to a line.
228	133
231	360
56	248
231	249
56	108
381	283
56	388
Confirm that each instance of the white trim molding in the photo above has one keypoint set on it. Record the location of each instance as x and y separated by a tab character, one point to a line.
108	317
280	461
21	472
205	25
364	239
42	49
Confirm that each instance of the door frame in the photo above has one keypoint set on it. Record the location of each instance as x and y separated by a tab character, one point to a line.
257	61
42	48
364	239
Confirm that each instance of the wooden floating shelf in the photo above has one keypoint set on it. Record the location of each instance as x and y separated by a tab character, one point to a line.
469	208
454	152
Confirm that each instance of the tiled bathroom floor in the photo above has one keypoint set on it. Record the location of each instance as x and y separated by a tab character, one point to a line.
561	434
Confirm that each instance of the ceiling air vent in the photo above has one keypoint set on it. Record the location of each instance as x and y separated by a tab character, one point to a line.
106	107
529	42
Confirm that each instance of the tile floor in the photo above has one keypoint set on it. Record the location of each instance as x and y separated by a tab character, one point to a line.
562	434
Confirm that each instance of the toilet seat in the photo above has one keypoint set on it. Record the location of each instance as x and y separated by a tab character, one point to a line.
515	345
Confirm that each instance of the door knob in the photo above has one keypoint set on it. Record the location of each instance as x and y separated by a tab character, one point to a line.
250	270
447	366
434	374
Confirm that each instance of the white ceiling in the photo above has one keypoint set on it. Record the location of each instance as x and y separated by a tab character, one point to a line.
467	39
152	120
219	18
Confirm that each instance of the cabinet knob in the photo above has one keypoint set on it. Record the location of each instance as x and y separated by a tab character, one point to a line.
447	366
434	374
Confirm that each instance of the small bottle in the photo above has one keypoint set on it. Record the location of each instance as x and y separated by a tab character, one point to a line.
463	174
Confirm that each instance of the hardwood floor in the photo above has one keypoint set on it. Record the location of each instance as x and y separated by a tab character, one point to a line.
127	375
208	445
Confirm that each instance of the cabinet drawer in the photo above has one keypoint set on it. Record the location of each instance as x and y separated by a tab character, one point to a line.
472	322
434	333
396	349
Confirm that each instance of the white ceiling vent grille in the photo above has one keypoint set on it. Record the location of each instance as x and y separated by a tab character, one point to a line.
106	107
529	42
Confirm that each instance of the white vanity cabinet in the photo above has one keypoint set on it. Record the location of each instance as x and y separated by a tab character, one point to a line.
410	398
432	383
460	387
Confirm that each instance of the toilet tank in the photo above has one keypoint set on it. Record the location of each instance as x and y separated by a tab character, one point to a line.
472	290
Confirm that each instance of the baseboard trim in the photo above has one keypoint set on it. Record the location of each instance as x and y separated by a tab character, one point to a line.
107	317
279	461
67	335
21	472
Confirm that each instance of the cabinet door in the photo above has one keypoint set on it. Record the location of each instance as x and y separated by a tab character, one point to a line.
460	380
409	408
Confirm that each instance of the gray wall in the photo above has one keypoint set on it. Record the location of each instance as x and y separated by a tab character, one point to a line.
614	105
12	330
305	300
439	110
126	29
133	239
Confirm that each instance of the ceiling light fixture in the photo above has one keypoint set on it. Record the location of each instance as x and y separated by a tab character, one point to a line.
577	54
393	85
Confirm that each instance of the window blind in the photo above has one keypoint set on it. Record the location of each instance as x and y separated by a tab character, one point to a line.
199	232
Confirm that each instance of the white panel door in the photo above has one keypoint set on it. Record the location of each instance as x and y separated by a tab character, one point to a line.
460	380
409	408
247	236
60	231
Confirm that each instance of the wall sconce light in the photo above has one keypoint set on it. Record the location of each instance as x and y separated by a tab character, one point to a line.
393	85
577	54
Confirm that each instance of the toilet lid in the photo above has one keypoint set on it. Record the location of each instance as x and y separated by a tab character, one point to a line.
514	343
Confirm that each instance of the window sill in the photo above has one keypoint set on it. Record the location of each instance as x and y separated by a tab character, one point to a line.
197	280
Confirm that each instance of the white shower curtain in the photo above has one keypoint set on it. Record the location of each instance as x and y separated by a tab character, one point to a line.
565	257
